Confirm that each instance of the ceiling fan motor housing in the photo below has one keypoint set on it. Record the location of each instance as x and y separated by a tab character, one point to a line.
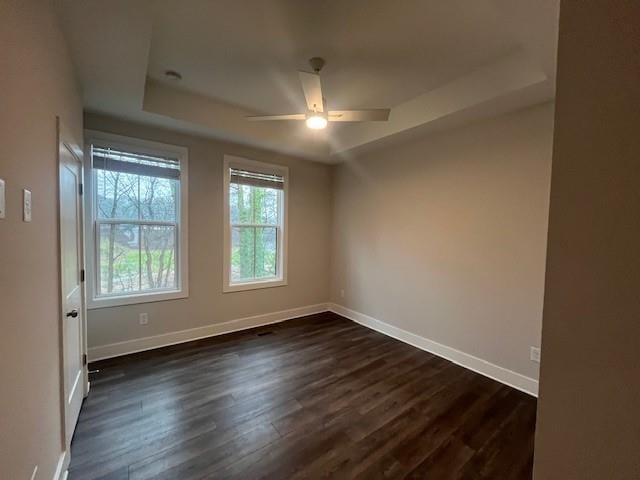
317	63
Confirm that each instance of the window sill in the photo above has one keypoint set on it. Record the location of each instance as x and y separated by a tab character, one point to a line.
106	302
241	287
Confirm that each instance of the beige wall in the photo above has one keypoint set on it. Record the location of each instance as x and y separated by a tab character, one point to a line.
445	236
309	243
36	84
589	407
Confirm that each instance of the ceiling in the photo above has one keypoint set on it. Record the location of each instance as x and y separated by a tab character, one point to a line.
435	63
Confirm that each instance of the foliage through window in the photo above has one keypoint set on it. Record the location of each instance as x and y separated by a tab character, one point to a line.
136	205
255	230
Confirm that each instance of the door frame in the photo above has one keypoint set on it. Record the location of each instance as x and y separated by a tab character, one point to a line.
66	141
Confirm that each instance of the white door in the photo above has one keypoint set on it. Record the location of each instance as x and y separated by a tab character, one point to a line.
71	270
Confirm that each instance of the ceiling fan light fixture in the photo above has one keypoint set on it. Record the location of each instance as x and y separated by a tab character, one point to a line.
316	122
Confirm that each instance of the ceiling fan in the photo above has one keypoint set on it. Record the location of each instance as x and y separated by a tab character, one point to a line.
317	118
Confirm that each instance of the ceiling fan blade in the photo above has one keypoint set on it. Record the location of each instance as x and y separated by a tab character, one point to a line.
373	115
293	116
312	91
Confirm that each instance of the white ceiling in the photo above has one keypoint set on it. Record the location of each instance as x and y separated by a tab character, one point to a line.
427	60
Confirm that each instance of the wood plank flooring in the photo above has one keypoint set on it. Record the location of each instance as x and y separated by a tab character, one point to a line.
316	397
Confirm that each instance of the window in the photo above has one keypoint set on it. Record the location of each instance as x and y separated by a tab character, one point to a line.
255	199
137	199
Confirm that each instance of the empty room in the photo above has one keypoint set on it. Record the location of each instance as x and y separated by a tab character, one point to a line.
305	239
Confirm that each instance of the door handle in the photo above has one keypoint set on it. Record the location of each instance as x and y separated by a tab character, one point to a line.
73	313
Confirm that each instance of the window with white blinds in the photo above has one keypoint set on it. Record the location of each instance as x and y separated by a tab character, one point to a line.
136	199
255	203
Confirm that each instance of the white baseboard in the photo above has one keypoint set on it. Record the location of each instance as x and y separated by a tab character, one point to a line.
488	369
148	343
61	469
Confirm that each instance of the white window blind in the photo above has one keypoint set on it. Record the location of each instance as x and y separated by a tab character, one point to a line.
256	179
105	158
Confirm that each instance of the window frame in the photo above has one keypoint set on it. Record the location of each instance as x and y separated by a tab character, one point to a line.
182	221
231	161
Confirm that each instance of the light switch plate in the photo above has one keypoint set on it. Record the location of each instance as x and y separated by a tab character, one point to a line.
26	204
2	204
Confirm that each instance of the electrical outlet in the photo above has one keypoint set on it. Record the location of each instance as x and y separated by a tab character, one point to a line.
534	354
143	318
342	293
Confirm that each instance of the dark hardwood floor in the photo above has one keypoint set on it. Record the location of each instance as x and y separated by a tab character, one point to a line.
316	397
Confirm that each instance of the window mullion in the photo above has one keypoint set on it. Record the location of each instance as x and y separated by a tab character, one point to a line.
96	258
278	234
97	270
124	221
139	239
254	225
255	230
254	251
139	257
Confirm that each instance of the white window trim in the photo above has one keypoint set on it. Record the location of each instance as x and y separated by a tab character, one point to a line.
231	161
142	146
